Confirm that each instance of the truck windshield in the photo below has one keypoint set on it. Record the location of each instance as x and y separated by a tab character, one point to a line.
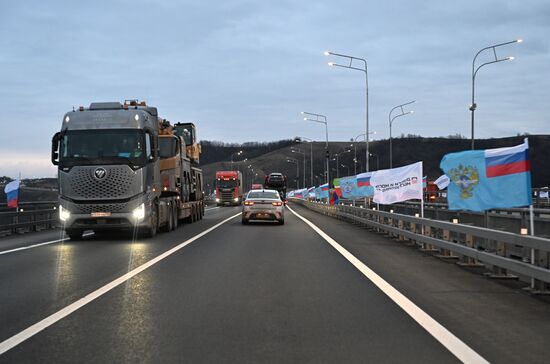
226	184
121	146
168	147
186	132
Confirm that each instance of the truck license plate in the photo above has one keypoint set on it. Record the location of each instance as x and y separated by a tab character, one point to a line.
101	214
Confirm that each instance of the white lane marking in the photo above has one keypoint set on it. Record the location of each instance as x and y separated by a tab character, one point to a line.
38	244
64	312
58	240
456	346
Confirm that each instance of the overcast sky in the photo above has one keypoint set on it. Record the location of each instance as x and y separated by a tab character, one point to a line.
243	70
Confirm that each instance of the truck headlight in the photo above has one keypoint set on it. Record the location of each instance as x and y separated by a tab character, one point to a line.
64	214
139	212
236	199
217	200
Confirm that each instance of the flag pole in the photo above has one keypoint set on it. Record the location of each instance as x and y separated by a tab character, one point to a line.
18	193
531	220
532	232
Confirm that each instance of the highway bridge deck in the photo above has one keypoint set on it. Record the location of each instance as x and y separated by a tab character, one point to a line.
258	293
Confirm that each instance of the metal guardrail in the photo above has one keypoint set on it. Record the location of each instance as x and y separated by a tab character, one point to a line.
29	205
510	219
33	217
470	245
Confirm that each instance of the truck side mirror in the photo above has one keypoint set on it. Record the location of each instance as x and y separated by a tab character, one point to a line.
55	148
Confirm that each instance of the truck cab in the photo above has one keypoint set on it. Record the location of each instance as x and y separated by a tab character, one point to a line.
108	167
229	187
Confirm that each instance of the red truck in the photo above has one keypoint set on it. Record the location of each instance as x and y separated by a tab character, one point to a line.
229	187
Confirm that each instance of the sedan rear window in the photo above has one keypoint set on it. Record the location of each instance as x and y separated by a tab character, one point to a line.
263	194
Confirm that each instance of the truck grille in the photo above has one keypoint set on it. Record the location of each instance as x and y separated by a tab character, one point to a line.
104	207
226	196
116	183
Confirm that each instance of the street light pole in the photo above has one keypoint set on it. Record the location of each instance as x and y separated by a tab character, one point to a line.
403	113
337	155
355	146
473	106
292	160
346	166
237	153
318	118
377	160
296	150
365	70
311	158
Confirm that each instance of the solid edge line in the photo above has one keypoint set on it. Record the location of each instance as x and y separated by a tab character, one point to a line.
37	245
59	240
456	346
50	320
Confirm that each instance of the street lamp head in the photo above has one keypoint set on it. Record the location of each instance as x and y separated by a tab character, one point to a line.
519	40
510	58
301	112
326	53
411	112
305	119
331	64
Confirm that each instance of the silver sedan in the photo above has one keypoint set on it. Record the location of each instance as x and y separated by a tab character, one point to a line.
263	205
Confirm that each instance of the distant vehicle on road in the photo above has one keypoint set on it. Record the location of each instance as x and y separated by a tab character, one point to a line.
263	205
276	181
257	186
229	187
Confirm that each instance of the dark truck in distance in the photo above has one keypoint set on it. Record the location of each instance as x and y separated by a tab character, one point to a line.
276	181
120	166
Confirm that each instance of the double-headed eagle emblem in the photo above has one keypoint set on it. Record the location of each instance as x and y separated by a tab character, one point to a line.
466	178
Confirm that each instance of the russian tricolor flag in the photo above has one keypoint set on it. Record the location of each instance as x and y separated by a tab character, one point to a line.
363	181
12	193
488	179
506	161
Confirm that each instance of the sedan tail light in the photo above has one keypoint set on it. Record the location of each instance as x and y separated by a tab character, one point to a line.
278	203
248	203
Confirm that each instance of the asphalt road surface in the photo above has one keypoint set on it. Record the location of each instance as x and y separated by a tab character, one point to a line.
217	291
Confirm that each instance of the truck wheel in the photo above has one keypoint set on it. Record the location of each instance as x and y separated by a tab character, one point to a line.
169	226
175	216
151	231
74	234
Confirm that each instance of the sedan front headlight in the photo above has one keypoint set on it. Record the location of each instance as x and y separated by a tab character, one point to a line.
64	214
139	212
236	199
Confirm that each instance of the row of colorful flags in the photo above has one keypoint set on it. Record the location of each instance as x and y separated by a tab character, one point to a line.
476	180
